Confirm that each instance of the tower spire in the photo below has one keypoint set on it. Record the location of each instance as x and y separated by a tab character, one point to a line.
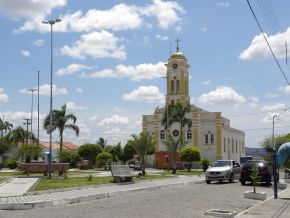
177	44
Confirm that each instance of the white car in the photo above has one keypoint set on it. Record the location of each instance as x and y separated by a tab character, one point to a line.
223	170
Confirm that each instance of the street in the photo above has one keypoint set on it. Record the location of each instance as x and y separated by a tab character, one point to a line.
186	201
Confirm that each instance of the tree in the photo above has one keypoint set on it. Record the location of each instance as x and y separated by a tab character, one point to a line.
5	145
255	177
69	156
190	154
267	143
29	152
20	135
102	142
115	151
104	157
128	153
60	121
172	146
90	152
142	144
5	126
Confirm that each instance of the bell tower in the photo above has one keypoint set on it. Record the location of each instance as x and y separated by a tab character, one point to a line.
177	78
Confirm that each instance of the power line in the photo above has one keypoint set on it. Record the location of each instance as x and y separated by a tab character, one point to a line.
261	29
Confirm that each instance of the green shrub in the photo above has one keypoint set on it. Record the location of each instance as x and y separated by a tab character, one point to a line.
90	177
104	158
190	154
65	176
205	164
90	152
12	164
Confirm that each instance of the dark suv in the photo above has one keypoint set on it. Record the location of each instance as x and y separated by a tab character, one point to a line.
264	172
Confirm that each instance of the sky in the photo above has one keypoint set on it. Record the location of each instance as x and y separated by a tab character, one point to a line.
109	58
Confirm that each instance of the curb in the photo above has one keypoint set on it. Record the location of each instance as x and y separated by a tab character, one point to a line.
86	198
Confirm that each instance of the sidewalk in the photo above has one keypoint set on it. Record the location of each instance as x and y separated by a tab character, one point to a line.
87	194
16	186
271	207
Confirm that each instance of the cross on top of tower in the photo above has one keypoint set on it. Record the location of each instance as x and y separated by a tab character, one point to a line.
177	44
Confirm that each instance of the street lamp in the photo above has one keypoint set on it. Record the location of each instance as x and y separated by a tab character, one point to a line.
31	90
274	160
51	23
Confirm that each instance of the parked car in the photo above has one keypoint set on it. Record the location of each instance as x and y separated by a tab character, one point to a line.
264	171
223	170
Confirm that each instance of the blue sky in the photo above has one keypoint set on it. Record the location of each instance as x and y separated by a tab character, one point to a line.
109	59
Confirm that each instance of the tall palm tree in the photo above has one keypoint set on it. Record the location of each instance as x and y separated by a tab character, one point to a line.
20	135
4	127
143	145
176	113
60	121
173	146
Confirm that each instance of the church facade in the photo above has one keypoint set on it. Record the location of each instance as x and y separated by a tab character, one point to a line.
210	131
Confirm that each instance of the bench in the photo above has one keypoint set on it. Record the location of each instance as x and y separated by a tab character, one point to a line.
43	168
121	173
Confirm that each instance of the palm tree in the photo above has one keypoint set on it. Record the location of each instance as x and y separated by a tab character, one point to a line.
60	121
143	145
20	135
5	126
173	145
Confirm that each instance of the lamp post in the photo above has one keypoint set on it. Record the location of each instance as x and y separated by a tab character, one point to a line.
38	108
31	90
274	160
51	23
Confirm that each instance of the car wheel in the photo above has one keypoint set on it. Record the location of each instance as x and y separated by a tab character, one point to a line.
207	181
220	181
243	182
231	178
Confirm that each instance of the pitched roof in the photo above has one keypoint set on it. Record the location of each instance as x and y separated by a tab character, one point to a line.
56	145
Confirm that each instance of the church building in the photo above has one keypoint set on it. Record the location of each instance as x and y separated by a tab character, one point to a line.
210	131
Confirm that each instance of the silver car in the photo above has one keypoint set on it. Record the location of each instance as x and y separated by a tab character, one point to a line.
223	170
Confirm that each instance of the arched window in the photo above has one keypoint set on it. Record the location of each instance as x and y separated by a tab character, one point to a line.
172	86
175	133
206	138
177	86
225	142
162	135
189	134
212	138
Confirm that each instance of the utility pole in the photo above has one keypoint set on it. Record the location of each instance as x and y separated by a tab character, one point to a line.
27	123
38	108
31	90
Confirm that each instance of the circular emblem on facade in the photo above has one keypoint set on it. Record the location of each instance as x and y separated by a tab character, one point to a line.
175	133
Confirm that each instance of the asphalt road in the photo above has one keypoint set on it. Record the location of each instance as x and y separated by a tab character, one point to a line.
187	201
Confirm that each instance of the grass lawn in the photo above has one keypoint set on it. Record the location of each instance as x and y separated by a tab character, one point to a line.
57	183
17	173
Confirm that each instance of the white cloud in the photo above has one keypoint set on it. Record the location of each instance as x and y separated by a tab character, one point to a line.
206	82
93	119
114	120
273	107
38	42
97	45
268	118
29	8
285	89
144	93
271	95
79	90
136	73
73	106
204	29
45	90
162	38
221	95
167	13
223	4
3	97
192	100
71	69
25	53
119	17
259	49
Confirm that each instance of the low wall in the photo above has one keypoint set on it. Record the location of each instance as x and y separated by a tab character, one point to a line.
43	168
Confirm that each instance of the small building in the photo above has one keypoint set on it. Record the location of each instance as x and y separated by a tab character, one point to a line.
210	131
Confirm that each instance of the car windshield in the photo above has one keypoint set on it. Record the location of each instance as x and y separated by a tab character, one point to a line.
222	163
252	163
